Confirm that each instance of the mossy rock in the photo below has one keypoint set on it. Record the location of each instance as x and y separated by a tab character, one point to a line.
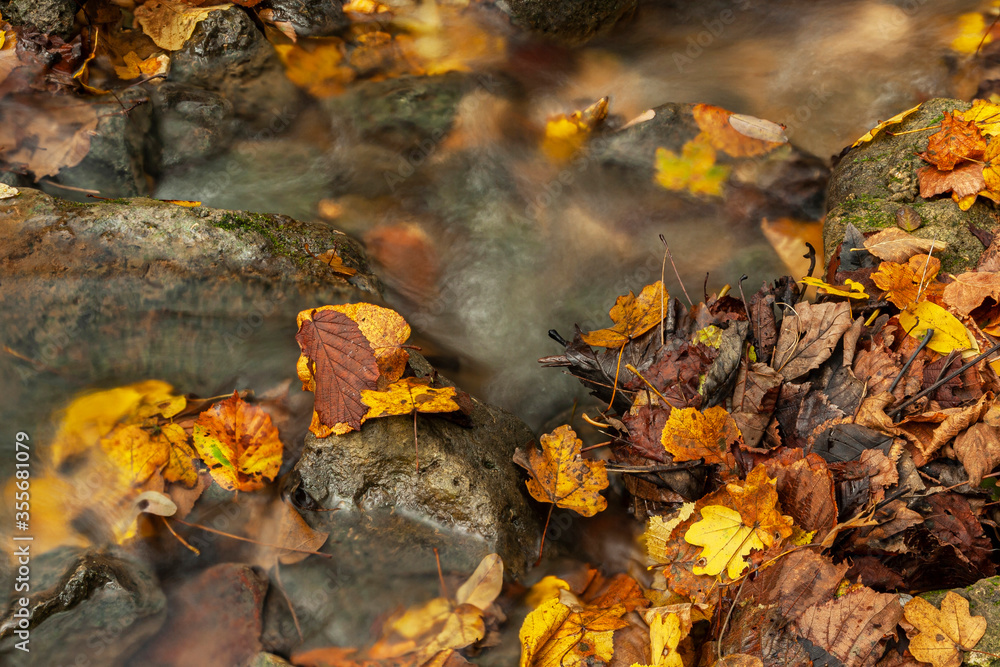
878	178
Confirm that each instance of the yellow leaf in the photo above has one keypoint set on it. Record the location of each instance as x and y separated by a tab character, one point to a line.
407	396
850	288
546	589
726	541
659	529
985	114
320	69
239	444
556	635
135	66
694	170
633	316
92	416
566	134
949	333
868	136
560	475
710	336
943	634
971	28
169	23
665	633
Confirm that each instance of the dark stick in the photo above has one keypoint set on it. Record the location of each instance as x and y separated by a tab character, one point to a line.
611	467
746	309
909	362
934	387
811	256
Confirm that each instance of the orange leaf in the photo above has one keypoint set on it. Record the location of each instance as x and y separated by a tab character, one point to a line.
717	126
902	282
690	435
633	316
957	140
969	290
560	474
964	180
757	503
239	444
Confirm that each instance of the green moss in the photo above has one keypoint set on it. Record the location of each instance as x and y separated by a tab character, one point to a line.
265	226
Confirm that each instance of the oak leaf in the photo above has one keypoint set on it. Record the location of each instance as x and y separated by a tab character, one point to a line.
949	333
560	475
942	634
689	435
739	138
693	170
957	140
566	134
239	444
894	245
968	291
407	396
870	134
633	316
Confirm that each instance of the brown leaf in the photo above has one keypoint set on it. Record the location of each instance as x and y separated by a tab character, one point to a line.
805	489
46	133
964	180
968	291
754	399
894	245
645	426
807	338
979	451
796	581
281	530
337	364
851	628
956	140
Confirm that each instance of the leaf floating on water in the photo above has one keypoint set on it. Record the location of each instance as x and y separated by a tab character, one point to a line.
758	128
719	131
694	170
565	134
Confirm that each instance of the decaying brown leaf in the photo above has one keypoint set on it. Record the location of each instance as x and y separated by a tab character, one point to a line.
894	245
808	337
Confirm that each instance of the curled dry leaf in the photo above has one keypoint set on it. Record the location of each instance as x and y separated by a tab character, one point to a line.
560	475
870	134
969	290
239	444
942	634
894	245
633	316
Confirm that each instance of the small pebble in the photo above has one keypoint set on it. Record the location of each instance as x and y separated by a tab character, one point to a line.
907	219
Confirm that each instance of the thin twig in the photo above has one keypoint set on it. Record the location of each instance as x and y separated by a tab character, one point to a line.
934	387
923	343
677	273
246	539
648	384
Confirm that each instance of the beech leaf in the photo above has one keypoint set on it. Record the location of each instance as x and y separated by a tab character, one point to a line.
892	244
949	333
239	444
808	337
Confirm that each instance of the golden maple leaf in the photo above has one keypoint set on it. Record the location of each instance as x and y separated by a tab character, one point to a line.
633	316
943	634
693	170
561	476
902	282
729	534
985	114
239	444
561	631
689	435
409	395
566	134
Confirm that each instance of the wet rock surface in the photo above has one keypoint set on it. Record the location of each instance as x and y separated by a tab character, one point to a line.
466	482
872	183
309	18
192	124
569	21
92	608
214	618
46	16
119	291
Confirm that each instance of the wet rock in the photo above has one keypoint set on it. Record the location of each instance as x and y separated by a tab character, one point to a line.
213	618
116	163
191	124
984	600
873	182
568	21
228	54
466	483
90	608
126	290
53	17
309	18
